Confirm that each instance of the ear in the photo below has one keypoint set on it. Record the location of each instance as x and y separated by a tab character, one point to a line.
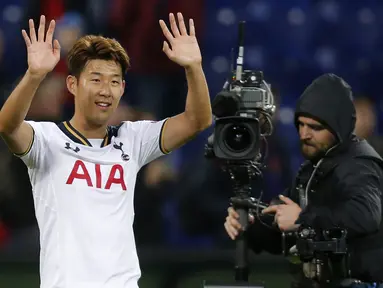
123	87
71	84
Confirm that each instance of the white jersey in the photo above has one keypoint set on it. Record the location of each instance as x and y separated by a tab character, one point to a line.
83	199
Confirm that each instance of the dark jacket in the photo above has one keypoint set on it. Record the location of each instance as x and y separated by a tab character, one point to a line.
344	188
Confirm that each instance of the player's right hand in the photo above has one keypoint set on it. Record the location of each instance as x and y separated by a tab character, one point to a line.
43	52
232	224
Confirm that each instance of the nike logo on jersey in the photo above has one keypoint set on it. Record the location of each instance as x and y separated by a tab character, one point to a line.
114	176
124	156
67	146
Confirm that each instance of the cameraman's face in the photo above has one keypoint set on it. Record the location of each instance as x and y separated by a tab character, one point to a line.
315	139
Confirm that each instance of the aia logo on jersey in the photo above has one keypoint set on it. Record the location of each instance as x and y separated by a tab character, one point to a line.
68	147
124	157
81	173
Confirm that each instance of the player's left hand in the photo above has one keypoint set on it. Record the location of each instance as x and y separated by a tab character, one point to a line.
285	214
183	49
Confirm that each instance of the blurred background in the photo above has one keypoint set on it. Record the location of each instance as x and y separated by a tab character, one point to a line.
181	199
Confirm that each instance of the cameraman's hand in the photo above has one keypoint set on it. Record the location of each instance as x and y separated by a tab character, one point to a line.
285	214
232	225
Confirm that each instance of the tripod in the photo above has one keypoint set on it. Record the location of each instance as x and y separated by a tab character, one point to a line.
242	173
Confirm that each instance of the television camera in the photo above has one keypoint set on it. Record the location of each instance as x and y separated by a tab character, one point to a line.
243	113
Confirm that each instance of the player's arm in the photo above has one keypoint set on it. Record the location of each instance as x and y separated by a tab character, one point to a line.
184	50
42	58
13	129
197	115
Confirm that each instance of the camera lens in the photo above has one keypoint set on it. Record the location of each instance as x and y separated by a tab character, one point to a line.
237	138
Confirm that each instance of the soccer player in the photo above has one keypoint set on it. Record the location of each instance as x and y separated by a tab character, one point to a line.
83	172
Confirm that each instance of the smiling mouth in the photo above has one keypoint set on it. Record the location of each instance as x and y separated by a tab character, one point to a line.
103	104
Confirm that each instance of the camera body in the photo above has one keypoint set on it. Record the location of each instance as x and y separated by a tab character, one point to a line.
252	91
243	111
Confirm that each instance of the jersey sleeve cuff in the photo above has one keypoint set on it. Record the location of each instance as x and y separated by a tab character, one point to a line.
161	144
29	146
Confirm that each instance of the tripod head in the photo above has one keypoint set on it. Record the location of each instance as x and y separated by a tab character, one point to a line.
242	173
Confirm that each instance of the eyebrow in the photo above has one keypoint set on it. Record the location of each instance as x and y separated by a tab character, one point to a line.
312	125
316	126
100	74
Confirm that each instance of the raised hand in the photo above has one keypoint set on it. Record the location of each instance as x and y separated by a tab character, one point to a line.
184	49
43	54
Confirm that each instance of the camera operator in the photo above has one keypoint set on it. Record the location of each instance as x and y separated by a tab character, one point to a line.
340	185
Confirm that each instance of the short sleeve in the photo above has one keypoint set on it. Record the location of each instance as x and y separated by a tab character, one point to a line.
34	155
150	141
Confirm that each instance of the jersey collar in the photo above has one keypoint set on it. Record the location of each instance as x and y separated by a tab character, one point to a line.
77	137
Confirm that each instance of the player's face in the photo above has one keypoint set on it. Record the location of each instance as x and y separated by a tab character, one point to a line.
99	90
315	139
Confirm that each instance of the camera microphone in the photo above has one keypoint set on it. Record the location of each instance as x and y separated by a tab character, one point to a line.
241	49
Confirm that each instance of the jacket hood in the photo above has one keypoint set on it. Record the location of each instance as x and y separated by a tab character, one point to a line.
328	100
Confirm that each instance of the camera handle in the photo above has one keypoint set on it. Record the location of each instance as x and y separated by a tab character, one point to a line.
242	205
241	174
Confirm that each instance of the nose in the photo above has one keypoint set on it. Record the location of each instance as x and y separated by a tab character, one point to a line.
105	89
304	132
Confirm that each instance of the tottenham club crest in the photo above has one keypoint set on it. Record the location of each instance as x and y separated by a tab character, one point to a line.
124	157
